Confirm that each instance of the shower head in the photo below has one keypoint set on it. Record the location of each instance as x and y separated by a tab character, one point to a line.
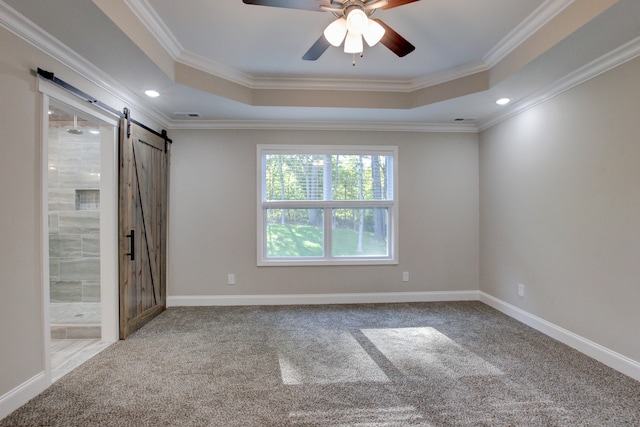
75	130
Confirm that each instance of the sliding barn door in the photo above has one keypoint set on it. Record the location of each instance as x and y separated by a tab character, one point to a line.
142	217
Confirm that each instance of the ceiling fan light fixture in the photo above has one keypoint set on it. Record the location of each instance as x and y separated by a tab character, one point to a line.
336	31
374	33
357	21
353	43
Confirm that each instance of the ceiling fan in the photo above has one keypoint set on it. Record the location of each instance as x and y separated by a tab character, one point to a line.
351	26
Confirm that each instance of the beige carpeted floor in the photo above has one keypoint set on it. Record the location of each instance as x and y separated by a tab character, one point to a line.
431	364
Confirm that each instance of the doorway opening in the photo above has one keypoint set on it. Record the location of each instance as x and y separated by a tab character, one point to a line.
75	310
79	239
74	225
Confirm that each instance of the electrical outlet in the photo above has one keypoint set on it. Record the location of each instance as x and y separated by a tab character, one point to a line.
520	290
231	279
405	276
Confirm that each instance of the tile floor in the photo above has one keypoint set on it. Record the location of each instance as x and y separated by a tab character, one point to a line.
83	319
74	313
66	355
75	320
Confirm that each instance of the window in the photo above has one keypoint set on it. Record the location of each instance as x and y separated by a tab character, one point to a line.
327	205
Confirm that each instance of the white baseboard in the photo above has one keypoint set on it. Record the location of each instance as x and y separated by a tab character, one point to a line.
602	354
305	299
20	395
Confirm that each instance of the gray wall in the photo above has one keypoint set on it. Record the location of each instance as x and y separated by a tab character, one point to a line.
560	210
21	212
213	216
20	272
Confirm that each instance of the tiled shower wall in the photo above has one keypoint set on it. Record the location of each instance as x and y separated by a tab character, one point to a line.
74	215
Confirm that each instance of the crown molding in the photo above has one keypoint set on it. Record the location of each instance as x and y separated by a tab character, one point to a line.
25	29
448	75
293	83
156	26
324	125
214	68
308	83
28	31
152	21
371	85
532	24
147	15
606	62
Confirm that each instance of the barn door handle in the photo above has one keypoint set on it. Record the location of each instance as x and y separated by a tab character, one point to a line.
132	244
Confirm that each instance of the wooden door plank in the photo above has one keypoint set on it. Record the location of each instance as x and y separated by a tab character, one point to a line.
143	188
144	161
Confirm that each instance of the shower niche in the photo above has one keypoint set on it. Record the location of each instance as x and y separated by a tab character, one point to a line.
74	226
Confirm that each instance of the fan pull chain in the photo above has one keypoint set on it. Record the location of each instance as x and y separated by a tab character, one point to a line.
354	58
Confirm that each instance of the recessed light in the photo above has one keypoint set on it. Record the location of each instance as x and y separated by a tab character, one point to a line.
95	132
152	93
50	112
503	101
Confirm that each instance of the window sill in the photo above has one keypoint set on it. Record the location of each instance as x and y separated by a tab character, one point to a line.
331	262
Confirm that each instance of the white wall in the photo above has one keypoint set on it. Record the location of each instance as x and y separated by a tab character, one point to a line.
213	216
560	210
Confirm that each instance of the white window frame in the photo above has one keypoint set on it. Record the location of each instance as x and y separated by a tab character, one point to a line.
327	206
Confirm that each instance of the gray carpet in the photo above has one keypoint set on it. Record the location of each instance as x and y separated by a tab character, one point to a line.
431	364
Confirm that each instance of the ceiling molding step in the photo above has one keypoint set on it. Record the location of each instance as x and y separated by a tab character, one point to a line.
455	73
145	13
207	82
293	83
402	86
156	26
606	62
126	19
565	23
533	23
324	125
474	83
216	69
28	31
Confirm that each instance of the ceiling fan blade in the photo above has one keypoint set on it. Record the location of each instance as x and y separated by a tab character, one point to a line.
329	8
313	5
394	41
317	49
396	3
375	4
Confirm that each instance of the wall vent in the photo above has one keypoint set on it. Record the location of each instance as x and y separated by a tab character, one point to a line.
181	115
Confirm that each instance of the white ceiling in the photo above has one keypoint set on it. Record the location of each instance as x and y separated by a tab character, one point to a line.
269	42
256	50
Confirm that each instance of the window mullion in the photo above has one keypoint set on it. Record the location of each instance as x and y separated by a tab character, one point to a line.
301	204
328	230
